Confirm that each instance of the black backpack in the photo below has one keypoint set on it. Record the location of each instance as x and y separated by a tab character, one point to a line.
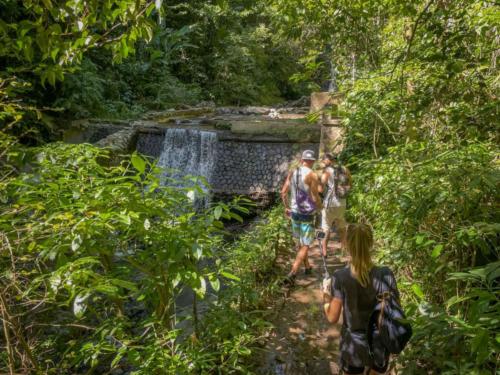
388	325
341	182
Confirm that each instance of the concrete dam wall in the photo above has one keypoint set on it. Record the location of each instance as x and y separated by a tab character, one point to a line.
231	165
237	152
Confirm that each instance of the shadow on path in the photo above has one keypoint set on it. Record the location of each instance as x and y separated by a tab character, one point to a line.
303	342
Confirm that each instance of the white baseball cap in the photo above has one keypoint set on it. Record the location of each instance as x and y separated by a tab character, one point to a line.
308	155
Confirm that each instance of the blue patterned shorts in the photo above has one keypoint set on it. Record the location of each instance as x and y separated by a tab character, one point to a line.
303	228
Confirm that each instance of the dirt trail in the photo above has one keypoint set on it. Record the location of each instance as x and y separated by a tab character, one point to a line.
303	342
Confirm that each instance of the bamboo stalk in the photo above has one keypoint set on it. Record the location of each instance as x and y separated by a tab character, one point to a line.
17	331
10	352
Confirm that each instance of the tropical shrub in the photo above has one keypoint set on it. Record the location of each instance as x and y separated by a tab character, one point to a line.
235	324
87	247
431	207
94	258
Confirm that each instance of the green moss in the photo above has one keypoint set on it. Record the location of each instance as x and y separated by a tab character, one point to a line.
169	116
222	125
295	130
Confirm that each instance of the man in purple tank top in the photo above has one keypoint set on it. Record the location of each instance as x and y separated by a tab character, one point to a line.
302	184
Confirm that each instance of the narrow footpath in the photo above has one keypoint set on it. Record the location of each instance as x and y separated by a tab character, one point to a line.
303	342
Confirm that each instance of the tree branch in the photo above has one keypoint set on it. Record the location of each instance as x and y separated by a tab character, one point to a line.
402	58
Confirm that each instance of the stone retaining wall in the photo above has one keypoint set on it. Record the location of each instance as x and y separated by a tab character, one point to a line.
150	144
248	168
242	166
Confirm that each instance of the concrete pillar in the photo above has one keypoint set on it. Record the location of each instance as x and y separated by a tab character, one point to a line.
332	131
332	136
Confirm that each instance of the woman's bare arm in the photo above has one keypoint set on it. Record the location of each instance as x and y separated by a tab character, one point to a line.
324	180
332	309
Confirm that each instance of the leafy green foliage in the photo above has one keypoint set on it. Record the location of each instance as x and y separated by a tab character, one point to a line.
42	41
346	33
223	52
93	256
141	82
96	256
233	53
97	238
115	60
421	138
253	258
431	208
231	329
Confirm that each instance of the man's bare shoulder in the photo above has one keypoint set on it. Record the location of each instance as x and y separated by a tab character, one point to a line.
311	176
314	175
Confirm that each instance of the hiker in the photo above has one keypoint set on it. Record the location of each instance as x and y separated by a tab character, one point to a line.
302	183
335	184
355	294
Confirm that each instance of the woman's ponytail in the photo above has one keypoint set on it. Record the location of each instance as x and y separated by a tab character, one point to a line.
359	245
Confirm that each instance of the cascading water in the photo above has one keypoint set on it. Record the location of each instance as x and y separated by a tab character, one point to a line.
189	152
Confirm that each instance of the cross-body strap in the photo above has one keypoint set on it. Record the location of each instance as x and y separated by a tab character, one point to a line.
375	320
383	296
297	180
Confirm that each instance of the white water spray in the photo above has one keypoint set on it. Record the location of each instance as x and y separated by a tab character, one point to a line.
189	152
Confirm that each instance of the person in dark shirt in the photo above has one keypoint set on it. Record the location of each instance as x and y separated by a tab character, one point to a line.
355	295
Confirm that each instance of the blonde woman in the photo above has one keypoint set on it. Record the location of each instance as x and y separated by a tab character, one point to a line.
354	294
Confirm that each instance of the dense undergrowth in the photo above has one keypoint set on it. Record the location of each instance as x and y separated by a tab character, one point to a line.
436	226
234	329
95	256
158	55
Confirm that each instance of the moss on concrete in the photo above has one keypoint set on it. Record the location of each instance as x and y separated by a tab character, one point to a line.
297	130
168	116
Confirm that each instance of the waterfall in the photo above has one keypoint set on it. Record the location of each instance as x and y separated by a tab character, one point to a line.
189	152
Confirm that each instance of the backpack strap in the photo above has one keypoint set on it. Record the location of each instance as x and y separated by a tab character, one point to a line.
380	293
382	298
336	178
295	181
376	320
